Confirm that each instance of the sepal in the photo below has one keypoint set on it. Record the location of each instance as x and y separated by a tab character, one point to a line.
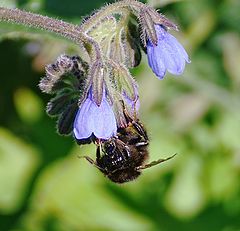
66	119
149	18
59	103
147	27
97	78
124	82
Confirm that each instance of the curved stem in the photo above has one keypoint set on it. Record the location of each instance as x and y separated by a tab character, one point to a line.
125	17
64	29
132	5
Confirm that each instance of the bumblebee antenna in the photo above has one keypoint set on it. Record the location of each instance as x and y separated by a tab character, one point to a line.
153	163
91	161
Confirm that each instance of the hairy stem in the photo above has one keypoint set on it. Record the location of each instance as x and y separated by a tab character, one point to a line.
67	30
114	8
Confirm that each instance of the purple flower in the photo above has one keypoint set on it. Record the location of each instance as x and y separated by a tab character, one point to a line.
168	54
95	120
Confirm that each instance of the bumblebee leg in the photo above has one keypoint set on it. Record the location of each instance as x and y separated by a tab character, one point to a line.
153	163
89	159
98	152
137	125
126	114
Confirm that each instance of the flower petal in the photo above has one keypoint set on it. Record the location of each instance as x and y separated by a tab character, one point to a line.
93	119
81	128
155	60
180	48
172	58
168	54
104	120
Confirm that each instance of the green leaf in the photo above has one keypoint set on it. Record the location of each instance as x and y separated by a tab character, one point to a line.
59	103
31	111
66	119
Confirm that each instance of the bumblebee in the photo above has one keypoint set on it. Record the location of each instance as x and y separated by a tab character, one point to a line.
123	157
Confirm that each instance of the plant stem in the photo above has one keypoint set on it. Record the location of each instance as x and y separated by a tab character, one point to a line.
132	5
65	29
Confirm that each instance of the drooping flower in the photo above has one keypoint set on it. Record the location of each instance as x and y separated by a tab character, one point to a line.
92	119
168	55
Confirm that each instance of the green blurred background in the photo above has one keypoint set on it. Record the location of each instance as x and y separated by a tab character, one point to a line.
45	187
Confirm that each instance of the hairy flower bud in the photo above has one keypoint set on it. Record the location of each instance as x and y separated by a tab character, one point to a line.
62	69
118	39
66	79
125	46
132	47
124	82
103	30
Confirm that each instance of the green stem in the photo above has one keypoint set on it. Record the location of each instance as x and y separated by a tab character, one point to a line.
114	8
65	29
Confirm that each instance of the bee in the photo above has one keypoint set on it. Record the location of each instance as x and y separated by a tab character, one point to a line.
124	156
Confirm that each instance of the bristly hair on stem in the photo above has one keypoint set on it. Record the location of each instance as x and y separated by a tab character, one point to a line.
65	29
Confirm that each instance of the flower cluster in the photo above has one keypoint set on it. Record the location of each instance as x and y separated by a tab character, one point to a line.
90	97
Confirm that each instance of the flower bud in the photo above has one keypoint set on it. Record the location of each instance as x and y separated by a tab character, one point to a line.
64	63
52	76
124	82
66	79
103	30
125	46
66	71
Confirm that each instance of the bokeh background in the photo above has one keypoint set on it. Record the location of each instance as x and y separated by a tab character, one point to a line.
44	186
